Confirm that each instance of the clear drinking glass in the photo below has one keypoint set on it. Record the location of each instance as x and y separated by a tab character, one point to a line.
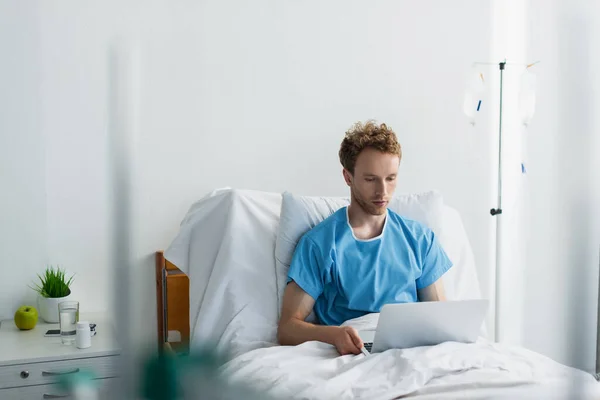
68	313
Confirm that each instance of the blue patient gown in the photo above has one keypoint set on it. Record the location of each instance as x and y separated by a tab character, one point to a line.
349	277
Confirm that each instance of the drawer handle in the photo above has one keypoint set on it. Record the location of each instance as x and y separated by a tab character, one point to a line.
73	371
54	396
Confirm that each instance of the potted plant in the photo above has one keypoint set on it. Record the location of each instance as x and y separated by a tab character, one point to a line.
53	288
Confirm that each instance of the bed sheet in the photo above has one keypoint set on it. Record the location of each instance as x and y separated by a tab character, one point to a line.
453	370
225	245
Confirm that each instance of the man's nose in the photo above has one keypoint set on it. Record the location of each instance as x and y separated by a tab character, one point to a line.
381	189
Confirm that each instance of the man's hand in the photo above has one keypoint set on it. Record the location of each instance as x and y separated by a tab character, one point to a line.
293	329
346	340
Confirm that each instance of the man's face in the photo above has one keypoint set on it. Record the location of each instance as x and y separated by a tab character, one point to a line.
374	180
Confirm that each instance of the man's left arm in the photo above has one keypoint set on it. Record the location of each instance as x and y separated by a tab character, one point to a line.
435	263
433	292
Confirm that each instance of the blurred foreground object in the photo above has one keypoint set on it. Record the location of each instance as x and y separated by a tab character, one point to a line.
195	376
81	386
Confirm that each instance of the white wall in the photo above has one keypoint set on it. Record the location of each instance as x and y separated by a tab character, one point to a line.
561	264
242	94
23	235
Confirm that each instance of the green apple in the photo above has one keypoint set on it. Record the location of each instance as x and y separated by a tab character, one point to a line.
26	317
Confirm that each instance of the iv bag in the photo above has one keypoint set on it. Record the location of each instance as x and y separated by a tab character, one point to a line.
473	101
527	96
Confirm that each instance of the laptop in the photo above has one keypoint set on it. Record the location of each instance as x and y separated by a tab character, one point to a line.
428	323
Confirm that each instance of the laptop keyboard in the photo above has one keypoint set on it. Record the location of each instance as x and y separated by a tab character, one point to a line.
368	346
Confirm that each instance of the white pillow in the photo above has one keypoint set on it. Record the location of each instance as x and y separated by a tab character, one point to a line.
301	213
460	281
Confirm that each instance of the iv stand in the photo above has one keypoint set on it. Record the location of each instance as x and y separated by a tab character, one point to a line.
497	212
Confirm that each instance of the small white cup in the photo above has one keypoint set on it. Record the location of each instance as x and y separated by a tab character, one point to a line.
83	336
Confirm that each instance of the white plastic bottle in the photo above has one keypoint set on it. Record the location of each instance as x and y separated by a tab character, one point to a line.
83	336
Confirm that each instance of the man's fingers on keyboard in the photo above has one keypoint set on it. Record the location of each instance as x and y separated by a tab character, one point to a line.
356	338
352	345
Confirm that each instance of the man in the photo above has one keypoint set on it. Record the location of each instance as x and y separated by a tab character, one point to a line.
362	256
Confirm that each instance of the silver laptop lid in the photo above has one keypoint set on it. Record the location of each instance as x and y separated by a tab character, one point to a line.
429	323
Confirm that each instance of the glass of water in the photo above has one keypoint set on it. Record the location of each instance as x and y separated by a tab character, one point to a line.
68	313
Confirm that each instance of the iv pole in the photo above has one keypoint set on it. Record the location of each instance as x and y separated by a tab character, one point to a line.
497	212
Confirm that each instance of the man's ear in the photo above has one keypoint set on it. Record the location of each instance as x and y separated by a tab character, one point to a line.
347	176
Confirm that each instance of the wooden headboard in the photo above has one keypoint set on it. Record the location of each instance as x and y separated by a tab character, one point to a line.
172	306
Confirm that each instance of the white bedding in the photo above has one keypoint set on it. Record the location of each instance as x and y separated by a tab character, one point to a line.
226	245
483	370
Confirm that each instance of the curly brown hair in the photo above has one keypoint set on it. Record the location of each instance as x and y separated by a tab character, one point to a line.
367	134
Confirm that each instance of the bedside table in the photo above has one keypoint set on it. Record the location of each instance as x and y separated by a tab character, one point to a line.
32	364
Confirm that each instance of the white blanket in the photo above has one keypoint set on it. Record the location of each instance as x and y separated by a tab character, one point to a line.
226	245
483	369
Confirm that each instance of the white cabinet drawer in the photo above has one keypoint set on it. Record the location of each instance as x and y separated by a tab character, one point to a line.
50	372
47	392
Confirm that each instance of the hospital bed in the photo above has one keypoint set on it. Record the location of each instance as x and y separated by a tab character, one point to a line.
221	281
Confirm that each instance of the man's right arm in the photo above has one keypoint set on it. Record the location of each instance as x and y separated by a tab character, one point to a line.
293	329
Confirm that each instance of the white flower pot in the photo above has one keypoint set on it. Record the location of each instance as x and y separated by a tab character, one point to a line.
48	307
